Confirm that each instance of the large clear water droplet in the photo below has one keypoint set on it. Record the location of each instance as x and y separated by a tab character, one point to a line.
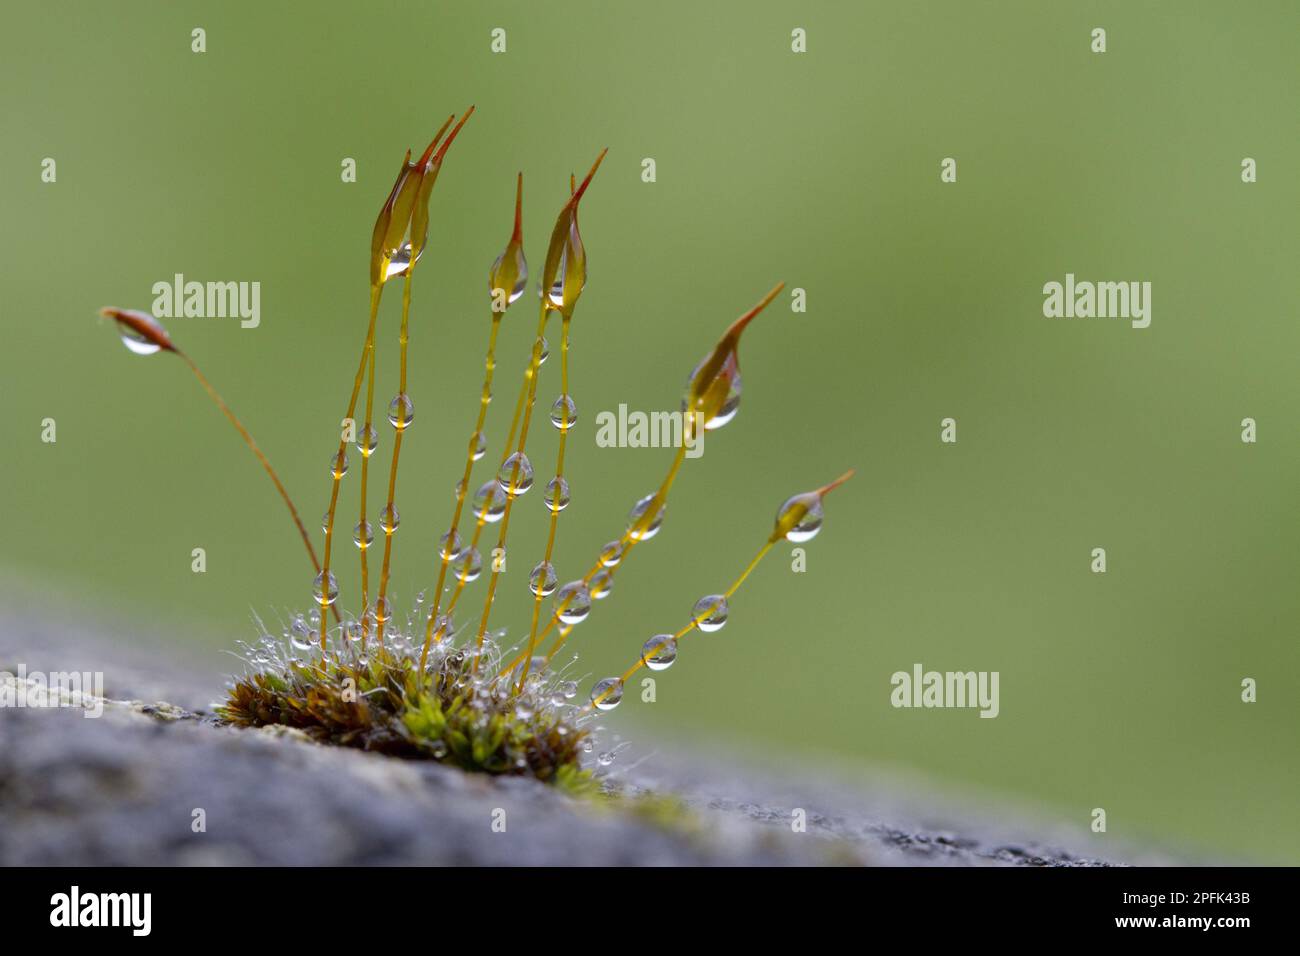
606	694
659	652
516	253
367	440
389	519
576	264
641	526
135	341
450	546
710	613
400	261
612	554
363	534
299	639
478	446
401	411
730	374
338	464
490	501
573	602
542	580
602	583
516	475
325	588
564	413
469	565
806	528
557	494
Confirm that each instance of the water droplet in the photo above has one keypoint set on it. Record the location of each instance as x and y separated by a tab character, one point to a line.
602	583
367	440
605	759
136	340
710	613
542	580
490	501
339	464
573	602
607	693
325	521
659	652
569	689
726	403
363	534
806	524
516	475
399	262
570	276
441	631
478	446
401	411
546	352
557	494
612	554
564	413
389	519
512	270
326	588
450	546
383	611
523	711
643	526
469	565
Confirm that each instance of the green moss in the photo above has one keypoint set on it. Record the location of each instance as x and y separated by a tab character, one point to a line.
380	702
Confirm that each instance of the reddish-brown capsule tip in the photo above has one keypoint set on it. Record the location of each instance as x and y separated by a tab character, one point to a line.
577	194
518	234
451	137
734	330
824	490
433	143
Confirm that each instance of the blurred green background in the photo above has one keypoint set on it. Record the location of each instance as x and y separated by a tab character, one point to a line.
822	169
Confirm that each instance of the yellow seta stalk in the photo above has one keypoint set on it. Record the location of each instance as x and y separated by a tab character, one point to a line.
145	335
400	418
365	445
564	276
555	505
340	457
512	490
252	445
396	245
564	291
506	281
711	401
696	619
482	522
798	519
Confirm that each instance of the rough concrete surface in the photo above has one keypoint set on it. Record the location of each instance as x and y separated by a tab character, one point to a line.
123	790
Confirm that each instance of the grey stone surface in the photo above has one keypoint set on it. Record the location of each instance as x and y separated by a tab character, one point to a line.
122	790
